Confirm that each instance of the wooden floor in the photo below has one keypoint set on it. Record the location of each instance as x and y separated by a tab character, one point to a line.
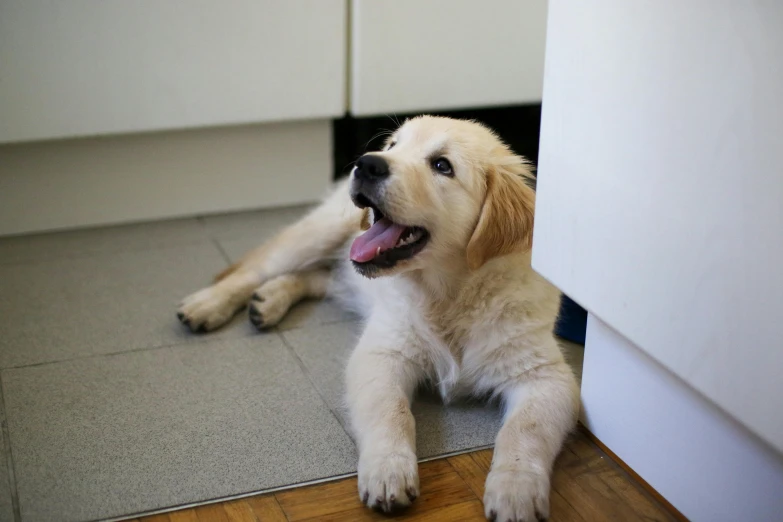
587	486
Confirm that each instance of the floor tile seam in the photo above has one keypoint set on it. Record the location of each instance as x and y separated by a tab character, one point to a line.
307	375
217	237
317	325
205	229
282	488
237	496
222	250
108	252
15	506
194	342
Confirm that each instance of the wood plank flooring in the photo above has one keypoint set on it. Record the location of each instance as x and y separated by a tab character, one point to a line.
587	486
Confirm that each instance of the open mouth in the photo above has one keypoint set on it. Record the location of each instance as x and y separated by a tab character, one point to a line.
385	243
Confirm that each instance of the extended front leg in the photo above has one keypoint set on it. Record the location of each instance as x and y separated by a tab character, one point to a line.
541	409
382	375
272	300
301	246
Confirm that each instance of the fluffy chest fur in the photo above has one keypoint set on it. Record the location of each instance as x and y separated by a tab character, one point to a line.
470	327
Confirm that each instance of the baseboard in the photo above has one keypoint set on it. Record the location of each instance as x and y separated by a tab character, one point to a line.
700	460
100	181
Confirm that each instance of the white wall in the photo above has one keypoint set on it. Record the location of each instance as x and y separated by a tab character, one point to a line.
701	460
660	194
86	67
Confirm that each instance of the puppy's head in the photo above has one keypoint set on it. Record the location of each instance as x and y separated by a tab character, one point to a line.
441	193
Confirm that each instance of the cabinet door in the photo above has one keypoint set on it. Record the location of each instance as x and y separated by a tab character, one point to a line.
660	196
409	55
88	67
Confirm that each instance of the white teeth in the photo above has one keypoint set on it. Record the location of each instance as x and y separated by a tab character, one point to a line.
410	237
378	252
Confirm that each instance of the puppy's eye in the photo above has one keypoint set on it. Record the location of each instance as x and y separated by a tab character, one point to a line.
391	145
442	166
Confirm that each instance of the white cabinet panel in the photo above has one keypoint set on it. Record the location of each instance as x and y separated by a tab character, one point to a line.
83	182
86	67
698	458
660	196
409	55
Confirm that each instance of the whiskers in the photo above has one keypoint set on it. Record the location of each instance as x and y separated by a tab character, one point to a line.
380	134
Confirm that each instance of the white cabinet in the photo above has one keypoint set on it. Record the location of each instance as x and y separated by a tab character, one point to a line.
74	68
660	195
87	67
701	460
412	55
83	82
58	184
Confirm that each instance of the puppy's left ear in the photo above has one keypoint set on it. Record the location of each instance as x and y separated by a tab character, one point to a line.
505	224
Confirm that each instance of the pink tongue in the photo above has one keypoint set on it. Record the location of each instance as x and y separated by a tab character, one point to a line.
383	234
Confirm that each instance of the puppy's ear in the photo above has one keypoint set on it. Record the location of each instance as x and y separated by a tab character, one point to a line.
505	224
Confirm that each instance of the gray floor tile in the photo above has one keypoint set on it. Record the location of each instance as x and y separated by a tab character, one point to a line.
235	248
324	351
259	224
6	504
106	303
114	435
59	245
315	313
440	429
460	426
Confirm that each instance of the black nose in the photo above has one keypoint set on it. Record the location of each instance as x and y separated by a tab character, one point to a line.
371	167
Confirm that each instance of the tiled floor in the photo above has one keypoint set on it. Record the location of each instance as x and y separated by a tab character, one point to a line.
110	408
587	486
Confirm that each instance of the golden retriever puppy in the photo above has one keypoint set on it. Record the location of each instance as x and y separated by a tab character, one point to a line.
430	241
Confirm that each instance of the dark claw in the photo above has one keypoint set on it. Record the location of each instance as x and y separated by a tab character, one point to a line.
396	507
365	497
256	318
381	505
258	298
411	494
202	328
493	515
541	518
183	319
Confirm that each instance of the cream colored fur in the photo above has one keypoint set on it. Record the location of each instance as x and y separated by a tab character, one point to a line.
467	313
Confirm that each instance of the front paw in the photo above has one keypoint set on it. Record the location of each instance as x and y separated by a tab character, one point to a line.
267	307
206	310
388	481
516	495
